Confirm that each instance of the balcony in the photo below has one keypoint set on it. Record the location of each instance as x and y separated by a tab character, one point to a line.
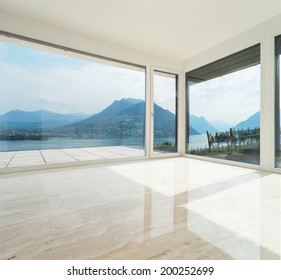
52	156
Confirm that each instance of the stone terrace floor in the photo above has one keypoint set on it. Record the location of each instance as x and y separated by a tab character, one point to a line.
43	157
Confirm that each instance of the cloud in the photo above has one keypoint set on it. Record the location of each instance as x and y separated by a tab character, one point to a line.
63	84
165	92
32	79
231	98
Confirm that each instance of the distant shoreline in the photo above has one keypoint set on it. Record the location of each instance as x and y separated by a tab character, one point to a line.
66	143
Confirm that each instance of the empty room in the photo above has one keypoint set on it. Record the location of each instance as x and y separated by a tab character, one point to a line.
140	130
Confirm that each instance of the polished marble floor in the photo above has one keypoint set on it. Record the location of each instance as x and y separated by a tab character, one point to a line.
43	157
175	208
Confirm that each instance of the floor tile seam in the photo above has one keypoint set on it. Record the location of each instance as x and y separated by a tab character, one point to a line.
101	157
15	163
69	155
86	151
105	148
92	154
118	154
11	160
46	161
114	152
43	156
73	150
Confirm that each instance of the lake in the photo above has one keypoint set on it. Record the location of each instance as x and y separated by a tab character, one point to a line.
65	143
199	141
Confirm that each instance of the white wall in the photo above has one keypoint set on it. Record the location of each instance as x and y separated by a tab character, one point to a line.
255	35
28	27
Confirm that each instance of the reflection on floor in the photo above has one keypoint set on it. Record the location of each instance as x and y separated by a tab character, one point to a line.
160	209
42	157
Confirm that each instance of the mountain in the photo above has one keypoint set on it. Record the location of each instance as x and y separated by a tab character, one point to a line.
201	125
220	125
252	122
40	119
123	118
132	100
163	117
192	131
109	112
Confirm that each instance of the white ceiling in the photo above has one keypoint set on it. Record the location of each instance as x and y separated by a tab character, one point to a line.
176	29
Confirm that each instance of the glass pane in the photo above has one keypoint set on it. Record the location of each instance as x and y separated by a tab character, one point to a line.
68	108
224	115
165	113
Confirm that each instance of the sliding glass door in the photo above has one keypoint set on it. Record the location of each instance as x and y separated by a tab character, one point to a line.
59	106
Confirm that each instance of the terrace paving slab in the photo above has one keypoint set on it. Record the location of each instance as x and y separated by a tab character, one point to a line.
44	157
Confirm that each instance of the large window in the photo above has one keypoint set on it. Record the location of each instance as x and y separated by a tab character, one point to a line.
165	112
223	108
67	106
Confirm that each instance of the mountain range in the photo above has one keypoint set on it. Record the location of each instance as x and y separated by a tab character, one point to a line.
40	119
252	122
125	117
201	125
220	125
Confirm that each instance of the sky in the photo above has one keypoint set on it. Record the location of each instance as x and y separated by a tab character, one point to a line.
231	98
165	91
32	79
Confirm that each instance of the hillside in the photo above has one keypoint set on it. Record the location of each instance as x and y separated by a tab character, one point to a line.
125	117
109	112
40	119
122	118
252	122
220	125
201	125
192	131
